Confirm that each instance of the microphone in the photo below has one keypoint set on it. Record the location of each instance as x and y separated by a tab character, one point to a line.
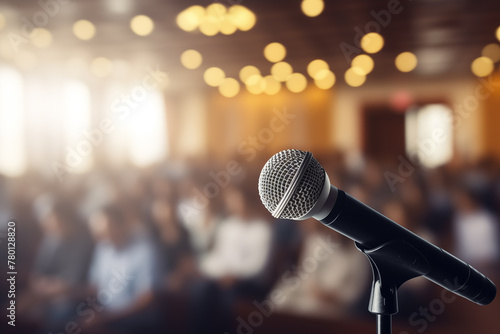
293	185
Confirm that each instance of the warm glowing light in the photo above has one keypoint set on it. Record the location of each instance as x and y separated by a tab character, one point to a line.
242	17
354	77
315	67
190	19
2	21
216	10
364	63
142	25
41	38
406	62
210	25
84	30
312	8
482	66
498	33
247	71
327	80
372	42
492	51
256	84
229	87
272	85
274	52
214	76
191	59
227	26
101	67
296	83
281	71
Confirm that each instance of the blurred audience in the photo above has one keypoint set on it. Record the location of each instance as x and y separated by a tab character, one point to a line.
165	252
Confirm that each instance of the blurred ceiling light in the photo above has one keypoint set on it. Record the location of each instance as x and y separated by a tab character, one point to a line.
210	25
256	85
491	51
247	71
26	60
214	76
482	66
498	33
372	42
2	21
354	77
327	81
84	30
274	52
227	26
41	38
142	25
272	85
242	17
190	18
406	62
281	71
229	87
296	83
312	8
363	62
191	59
316	66
217	10
254	79
101	67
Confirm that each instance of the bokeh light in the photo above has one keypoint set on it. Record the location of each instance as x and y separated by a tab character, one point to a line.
326	81
354	77
142	25
41	38
214	76
229	87
498	33
247	71
242	17
256	84
316	66
482	66
84	30
101	67
406	62
274	52
491	51
364	63
296	83
210	25
272	85
191	59
281	71
372	42
312	8
190	18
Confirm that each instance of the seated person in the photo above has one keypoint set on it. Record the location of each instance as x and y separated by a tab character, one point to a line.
122	275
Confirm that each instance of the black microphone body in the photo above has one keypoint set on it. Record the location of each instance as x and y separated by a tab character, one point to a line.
371	229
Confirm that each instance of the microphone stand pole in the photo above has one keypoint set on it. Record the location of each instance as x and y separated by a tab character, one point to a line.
392	263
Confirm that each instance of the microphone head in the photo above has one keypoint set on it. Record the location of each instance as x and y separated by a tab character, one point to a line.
291	183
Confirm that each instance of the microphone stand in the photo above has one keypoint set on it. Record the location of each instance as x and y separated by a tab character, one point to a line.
392	263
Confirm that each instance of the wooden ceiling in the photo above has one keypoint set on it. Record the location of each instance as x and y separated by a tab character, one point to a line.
446	35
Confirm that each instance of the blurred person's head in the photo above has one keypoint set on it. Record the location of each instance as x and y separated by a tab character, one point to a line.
234	201
465	200
109	224
163	212
61	220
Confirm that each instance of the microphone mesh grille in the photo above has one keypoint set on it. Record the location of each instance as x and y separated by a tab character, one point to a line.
276	177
